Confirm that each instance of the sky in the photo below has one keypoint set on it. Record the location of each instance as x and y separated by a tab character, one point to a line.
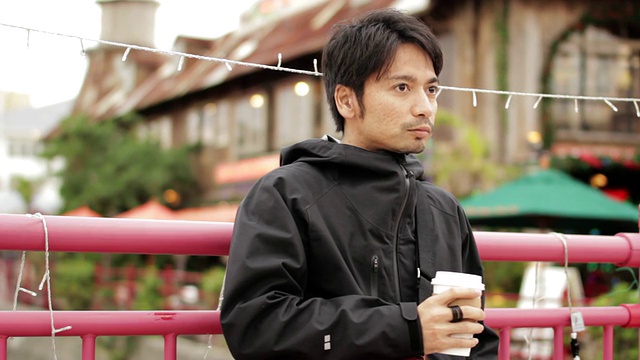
51	68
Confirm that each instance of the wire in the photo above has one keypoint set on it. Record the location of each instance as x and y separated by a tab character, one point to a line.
47	278
575	346
607	99
167	52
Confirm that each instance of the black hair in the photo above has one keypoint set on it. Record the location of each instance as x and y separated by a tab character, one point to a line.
368	45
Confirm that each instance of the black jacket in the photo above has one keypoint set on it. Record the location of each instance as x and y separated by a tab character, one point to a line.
323	264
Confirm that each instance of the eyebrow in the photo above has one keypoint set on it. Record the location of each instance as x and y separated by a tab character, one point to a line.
412	78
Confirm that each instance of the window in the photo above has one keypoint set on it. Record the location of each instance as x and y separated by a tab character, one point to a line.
251	133
294	112
142	131
595	63
23	148
193	126
215	124
161	131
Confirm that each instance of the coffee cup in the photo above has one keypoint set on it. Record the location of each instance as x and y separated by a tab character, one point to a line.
445	280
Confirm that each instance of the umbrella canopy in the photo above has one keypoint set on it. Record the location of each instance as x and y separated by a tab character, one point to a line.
221	212
82	211
550	199
152	209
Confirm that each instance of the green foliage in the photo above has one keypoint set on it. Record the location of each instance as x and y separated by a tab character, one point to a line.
109	169
212	279
148	295
503	277
464	166
74	282
625	339
25	187
211	284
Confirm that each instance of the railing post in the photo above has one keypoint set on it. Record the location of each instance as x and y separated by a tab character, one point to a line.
558	342
607	342
170	347
88	347
504	351
3	347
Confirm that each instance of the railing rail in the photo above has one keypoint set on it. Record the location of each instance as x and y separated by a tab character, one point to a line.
136	236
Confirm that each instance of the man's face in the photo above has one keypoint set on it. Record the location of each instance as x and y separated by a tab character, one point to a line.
400	106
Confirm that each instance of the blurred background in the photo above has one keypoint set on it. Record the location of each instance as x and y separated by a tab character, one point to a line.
90	129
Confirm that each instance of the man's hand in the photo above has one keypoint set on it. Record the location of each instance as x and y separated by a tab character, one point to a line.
435	319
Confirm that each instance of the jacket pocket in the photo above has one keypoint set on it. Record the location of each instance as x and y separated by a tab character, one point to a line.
374	275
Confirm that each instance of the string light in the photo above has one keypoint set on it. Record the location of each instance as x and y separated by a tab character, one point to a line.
608	100
126	53
535	106
83	52
18	286
611	105
47	279
506	105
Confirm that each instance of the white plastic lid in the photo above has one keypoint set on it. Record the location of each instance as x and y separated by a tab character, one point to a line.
458	279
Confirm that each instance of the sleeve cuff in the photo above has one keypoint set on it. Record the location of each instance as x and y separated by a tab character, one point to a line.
410	313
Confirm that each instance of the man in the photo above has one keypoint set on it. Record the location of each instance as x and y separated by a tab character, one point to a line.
333	252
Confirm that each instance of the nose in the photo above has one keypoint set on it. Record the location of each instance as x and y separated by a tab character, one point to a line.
424	105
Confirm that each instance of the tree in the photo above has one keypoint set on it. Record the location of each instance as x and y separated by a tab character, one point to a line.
108	168
463	165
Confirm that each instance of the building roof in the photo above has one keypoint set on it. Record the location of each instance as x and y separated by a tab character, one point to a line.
294	35
34	123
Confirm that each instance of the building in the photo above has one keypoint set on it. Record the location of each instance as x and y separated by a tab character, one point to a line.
243	115
21	140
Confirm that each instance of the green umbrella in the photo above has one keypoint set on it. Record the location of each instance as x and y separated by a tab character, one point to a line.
550	199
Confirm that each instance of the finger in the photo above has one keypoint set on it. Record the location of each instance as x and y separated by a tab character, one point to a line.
456	313
465	327
456	340
452	294
472	313
459	313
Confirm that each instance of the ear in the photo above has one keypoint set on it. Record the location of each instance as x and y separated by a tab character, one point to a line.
346	101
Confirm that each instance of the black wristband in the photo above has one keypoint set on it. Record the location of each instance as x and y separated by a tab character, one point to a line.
410	313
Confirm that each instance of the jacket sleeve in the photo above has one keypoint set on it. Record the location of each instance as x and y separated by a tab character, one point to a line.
266	312
487	348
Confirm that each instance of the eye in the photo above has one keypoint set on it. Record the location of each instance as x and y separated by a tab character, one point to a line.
432	90
402	87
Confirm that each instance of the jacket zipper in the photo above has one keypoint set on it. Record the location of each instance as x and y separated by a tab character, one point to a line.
374	275
407	183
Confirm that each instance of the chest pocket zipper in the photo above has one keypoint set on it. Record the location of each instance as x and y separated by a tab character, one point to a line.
374	275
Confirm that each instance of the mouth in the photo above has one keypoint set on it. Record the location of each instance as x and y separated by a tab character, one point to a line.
421	132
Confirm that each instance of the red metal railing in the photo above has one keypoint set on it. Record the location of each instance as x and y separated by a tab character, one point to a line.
103	235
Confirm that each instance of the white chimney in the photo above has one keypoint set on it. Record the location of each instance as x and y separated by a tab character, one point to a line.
129	21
